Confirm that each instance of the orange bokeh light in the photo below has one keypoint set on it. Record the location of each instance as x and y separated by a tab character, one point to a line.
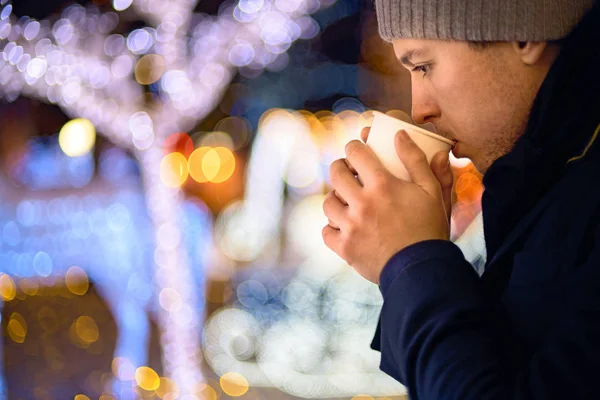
195	164
179	142
214	165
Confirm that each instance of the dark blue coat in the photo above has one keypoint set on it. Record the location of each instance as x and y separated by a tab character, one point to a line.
529	328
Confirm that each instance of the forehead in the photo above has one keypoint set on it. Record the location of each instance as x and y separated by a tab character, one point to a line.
426	45
407	50
412	46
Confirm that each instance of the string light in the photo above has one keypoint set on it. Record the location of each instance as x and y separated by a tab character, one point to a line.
77	137
77	65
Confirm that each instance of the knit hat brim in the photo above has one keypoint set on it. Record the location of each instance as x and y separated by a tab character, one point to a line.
479	20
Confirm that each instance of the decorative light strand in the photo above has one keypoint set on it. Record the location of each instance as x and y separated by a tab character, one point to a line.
77	64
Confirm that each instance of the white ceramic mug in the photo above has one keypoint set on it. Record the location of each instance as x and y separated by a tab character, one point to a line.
381	141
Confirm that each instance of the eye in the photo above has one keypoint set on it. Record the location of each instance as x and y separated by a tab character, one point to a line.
422	68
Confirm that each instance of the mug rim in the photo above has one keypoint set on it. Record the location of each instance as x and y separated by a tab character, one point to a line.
417	128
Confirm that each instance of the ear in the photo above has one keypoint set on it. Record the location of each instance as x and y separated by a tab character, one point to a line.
530	52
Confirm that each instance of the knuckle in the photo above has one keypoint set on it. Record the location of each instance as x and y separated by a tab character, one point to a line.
362	213
380	178
418	156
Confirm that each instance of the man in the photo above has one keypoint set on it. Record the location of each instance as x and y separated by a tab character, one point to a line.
526	110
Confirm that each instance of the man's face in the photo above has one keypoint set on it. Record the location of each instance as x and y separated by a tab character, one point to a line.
479	98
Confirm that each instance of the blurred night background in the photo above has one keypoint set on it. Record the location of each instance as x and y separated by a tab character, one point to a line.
162	169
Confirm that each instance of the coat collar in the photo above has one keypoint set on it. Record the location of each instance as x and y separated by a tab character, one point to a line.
562	131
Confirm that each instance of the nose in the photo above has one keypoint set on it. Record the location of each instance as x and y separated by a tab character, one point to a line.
424	107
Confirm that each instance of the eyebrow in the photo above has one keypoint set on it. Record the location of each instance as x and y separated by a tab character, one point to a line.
406	58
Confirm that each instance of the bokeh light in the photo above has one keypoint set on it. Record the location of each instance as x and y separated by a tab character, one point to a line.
468	188
42	264
236	232
401	115
211	164
8	288
140	40
149	69
218	164
459	162
77	137
179	142
29	286
170	300
123	369
348	104
241	54
121	5
234	384
17	328
81	397
237	128
147	378
304	170
217	139
174	170
77	281
114	45
141	127
87	329
31	30
122	66
206	392
167	389
195	164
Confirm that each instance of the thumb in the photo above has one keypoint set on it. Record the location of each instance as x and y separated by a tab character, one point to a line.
440	165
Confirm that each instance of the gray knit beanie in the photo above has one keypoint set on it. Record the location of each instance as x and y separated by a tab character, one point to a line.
479	20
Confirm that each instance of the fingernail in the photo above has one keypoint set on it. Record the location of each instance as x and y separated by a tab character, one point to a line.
403	135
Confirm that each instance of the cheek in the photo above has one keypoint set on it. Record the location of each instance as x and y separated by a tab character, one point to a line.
453	90
460	105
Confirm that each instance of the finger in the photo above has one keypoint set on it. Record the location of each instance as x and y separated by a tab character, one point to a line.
416	164
344	202
440	165
332	239
343	181
364	134
334	210
350	167
364	161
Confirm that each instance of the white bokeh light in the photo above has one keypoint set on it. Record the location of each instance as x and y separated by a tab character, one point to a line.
77	63
121	5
